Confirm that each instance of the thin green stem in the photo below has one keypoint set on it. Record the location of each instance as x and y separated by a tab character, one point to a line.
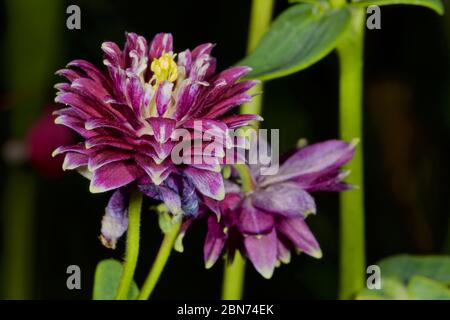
352	242
160	262
261	14
247	182
132	246
233	278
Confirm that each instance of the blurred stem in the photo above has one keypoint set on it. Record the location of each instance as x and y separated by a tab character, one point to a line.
31	38
260	16
160	262
18	262
352	241
132	246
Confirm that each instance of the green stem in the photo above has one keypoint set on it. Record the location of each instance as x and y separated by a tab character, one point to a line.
234	272
260	17
18	235
233	278
160	262
261	14
132	246
352	246
248	185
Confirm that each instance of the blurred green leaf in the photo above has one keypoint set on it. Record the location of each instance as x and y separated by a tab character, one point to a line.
298	38
435	5
422	288
107	277
404	267
391	289
407	277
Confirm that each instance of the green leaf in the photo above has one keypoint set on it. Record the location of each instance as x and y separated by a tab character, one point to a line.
107	277
409	277
422	288
435	5
391	289
404	267
298	38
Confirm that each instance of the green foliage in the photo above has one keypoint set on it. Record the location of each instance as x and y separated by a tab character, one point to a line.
435	5
107	277
298	38
305	33
408	277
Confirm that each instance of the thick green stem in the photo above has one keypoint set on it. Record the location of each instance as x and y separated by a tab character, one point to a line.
261	14
132	247
352	242
233	278
160	262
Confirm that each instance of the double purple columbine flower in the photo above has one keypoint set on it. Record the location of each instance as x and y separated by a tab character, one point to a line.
128	119
267	223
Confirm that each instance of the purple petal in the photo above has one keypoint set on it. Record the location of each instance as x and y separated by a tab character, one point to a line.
262	252
157	172
113	54
283	252
185	60
227	104
171	199
202	50
107	141
162	128
239	120
329	182
296	230
69	74
106	156
207	183
135	93
74	100
162	42
163	97
91	71
113	176
115	220
74	160
214	242
313	161
253	221
286	199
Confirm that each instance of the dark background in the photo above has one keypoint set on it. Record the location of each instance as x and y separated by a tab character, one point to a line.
407	131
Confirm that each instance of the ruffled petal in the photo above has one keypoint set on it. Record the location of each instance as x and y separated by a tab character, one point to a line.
208	183
115	220
214	242
113	176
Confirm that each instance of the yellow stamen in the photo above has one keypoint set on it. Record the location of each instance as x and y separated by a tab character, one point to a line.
164	68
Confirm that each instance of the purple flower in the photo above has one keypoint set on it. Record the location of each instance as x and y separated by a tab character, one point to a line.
269	222
128	116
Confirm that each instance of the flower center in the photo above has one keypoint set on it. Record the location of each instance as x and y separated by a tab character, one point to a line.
164	68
